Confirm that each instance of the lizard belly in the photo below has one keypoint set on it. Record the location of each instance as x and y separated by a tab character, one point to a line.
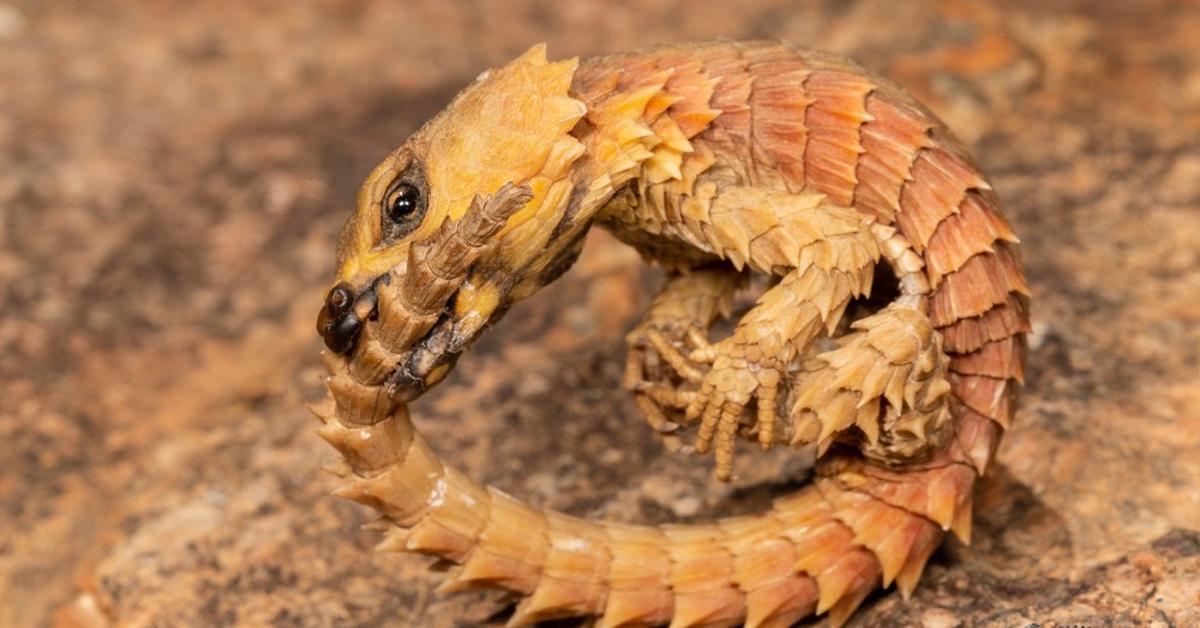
665	249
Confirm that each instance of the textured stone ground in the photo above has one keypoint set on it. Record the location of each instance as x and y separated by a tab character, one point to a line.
172	176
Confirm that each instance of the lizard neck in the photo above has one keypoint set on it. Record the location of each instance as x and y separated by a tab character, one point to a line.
638	129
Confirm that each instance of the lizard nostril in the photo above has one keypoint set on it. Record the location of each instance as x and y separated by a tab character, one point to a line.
337	323
339	299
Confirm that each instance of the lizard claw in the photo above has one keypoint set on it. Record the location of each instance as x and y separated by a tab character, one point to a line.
726	391
662	378
674	357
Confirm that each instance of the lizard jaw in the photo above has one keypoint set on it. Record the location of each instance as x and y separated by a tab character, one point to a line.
428	362
341	318
341	322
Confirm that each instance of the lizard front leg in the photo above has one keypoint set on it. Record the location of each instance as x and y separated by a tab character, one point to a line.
686	306
826	255
888	380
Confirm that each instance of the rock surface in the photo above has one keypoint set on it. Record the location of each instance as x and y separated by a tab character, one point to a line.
172	178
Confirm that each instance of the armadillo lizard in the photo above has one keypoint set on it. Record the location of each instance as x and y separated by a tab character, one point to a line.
719	161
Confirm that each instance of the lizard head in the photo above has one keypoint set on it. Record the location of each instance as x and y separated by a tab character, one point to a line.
450	226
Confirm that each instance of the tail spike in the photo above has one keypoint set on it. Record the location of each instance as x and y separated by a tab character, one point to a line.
961	526
893	550
430	537
401	495
637	608
379	524
918	556
781	604
483	570
841	582
369	448
338	469
555	598
324	410
942	507
394	540
453	582
715	607
849	603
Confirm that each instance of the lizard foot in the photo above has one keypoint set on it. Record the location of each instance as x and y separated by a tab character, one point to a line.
741	373
662	379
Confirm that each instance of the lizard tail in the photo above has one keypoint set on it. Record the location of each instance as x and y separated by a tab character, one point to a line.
823	549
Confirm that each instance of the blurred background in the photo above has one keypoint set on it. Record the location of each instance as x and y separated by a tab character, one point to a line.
172	178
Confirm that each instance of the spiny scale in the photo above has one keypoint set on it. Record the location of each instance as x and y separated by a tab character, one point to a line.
786	162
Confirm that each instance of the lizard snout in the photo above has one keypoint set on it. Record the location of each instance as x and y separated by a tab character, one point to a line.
337	322
342	316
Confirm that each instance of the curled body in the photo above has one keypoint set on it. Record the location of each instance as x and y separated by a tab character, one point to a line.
718	161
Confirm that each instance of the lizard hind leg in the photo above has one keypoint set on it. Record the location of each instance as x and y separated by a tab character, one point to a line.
657	369
887	379
824	255
884	388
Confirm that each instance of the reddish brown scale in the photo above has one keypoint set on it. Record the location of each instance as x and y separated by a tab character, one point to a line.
998	358
845	572
889	532
940	494
979	290
784	602
731	131
779	102
594	83
850	581
1002	321
989	396
693	113
634	69
834	120
963	235
908	537
927	542
983	282
976	436
939	183
891	139
910	165
764	568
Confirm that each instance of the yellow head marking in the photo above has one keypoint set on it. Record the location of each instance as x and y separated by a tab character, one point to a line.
511	125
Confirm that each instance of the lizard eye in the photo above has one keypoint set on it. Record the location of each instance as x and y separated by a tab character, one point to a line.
402	210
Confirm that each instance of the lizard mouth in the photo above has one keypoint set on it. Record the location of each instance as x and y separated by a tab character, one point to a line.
341	322
427	362
343	314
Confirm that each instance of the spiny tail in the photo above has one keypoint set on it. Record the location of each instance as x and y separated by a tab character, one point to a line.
823	549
